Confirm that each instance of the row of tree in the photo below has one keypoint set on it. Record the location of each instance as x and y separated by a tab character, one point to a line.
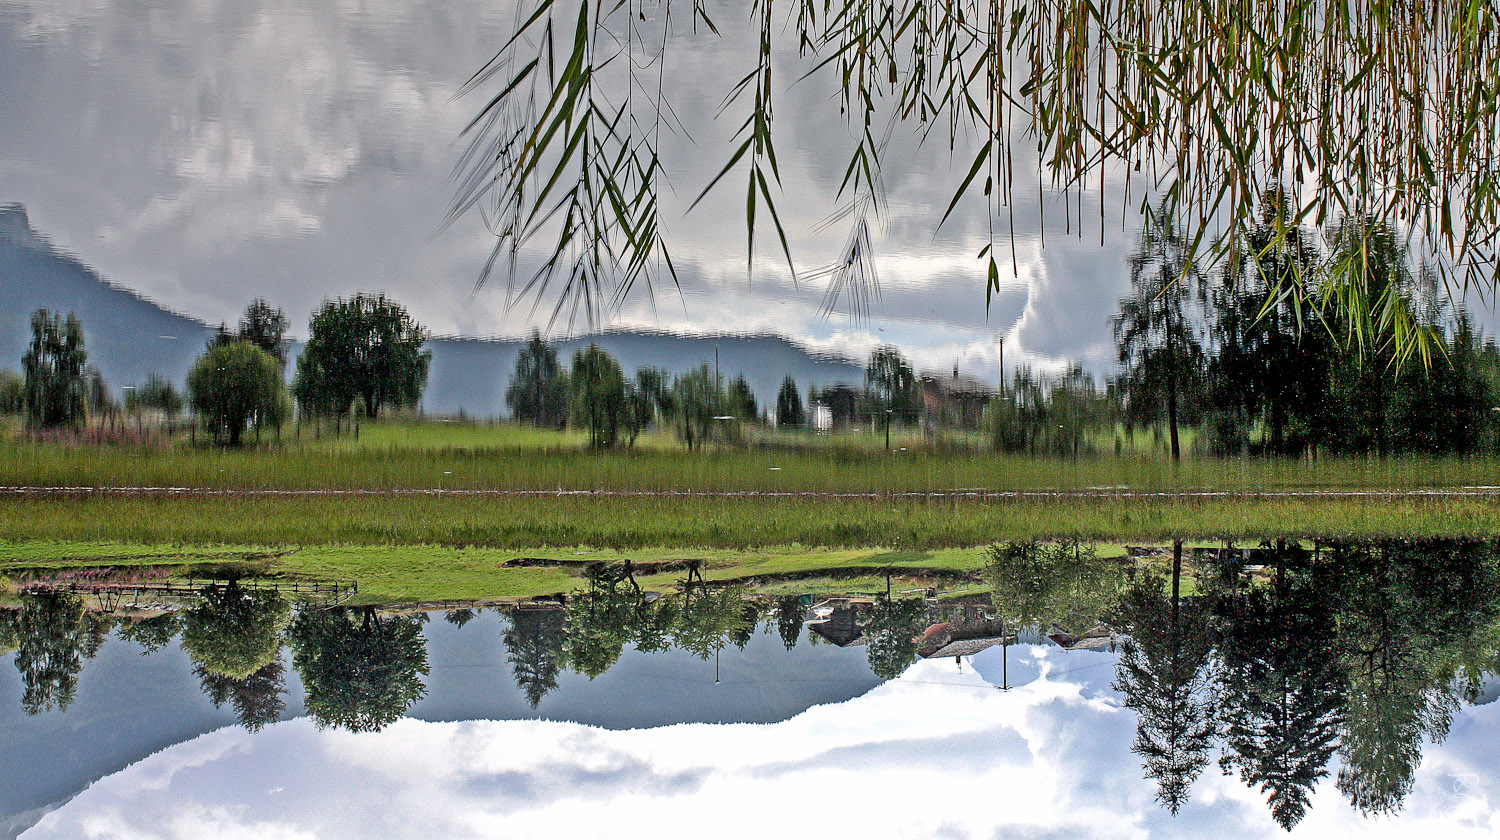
1265	359
1355	649
595	394
363	355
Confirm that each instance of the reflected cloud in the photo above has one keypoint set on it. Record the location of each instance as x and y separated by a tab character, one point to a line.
937	752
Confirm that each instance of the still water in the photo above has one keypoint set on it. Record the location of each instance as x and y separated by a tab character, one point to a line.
1342	689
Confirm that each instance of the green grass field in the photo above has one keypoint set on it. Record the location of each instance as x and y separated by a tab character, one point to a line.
408	455
435	547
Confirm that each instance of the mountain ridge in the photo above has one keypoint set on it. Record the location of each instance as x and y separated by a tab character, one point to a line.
129	336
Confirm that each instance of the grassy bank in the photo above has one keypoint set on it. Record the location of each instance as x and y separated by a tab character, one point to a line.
332	466
423	547
636	522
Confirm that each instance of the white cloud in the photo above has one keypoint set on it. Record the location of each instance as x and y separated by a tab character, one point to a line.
936	753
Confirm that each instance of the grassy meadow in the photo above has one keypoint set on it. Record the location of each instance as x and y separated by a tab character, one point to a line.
414	546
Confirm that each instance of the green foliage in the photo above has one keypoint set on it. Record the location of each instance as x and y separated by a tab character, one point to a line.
790	614
700	398
156	393
600	402
54	369
12	392
538	392
740	400
789	405
1165	673
359	675
1160	347
1282	691
364	350
1212	107
235	632
152	633
256	698
891	385
54	638
262	325
1060	584
234	387
536	644
1048	416
891	629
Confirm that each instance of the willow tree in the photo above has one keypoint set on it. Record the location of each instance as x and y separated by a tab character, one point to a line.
1377	108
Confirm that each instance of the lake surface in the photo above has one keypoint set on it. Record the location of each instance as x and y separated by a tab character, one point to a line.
1344	689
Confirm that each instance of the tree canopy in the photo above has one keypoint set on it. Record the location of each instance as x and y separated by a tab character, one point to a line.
364	350
234	387
56	386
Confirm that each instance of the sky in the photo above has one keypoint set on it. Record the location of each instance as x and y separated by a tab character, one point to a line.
938	752
205	152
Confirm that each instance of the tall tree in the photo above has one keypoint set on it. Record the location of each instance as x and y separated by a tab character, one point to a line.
789	404
790	614
1160	351
699	400
55	370
54	638
1272	348
891	628
535	642
366	350
741	400
1282	691
234	632
538	392
1165	674
361	670
891	384
262	325
235	387
599	396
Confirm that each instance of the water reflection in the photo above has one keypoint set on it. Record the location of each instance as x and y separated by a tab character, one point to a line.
1291	669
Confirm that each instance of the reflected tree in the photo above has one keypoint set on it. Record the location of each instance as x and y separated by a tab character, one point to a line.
709	618
1165	674
536	641
1062	584
458	618
599	625
54	638
257	700
153	633
10	627
235	632
1403	607
789	617
1282	690
361	670
891	629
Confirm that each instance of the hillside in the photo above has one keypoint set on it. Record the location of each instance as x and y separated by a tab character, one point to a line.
129	337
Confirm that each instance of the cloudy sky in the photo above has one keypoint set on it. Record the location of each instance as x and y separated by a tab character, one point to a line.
203	152
938	752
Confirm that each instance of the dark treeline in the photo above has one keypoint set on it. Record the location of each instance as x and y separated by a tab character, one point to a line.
1283	658
363	355
1255	357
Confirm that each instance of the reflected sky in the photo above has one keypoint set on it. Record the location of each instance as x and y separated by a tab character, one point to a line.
938	752
206	152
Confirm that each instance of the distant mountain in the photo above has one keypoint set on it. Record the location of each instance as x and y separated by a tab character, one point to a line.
129	337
